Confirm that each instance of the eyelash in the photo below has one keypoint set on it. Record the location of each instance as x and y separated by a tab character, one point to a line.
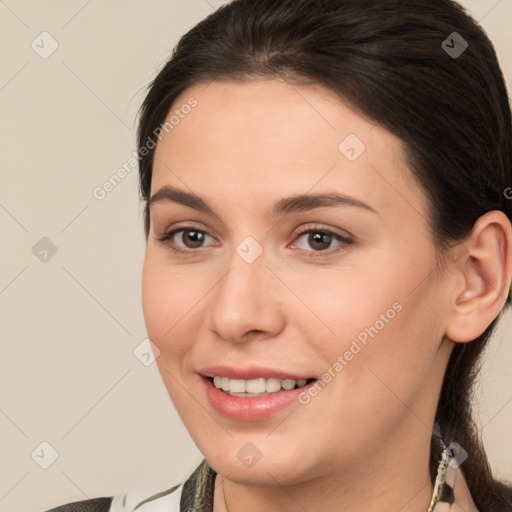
166	239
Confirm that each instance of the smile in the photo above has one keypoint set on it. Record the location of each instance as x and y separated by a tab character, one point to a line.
256	387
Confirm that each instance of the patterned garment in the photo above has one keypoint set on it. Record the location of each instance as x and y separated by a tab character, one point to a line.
451	494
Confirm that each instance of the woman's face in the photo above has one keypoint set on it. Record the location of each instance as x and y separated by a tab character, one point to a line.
297	252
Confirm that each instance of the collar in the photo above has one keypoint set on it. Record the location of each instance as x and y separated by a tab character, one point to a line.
451	492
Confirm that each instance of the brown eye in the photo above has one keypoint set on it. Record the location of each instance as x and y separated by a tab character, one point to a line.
319	240
192	238
185	240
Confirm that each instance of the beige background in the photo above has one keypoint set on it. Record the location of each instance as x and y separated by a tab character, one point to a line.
69	326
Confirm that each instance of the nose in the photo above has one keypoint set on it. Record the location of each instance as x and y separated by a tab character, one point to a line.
246	303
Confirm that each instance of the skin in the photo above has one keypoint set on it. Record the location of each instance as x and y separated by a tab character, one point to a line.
364	439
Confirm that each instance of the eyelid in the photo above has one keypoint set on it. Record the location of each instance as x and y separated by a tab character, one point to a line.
168	234
345	238
344	235
347	241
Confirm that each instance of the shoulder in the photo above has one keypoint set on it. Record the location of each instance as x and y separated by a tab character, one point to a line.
167	500
91	505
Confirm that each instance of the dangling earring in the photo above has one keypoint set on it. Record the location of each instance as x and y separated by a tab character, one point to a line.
441	488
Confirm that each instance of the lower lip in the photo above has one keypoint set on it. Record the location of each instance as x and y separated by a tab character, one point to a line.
251	408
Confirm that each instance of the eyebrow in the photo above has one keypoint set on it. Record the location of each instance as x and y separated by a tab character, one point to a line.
296	203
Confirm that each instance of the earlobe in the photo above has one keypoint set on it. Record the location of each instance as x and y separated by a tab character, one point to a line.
485	268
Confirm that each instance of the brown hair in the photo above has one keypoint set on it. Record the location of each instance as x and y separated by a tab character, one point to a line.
388	59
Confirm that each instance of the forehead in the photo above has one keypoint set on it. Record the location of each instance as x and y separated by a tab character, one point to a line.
274	136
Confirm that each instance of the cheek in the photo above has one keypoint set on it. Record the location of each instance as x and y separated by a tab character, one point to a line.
165	303
166	299
390	369
377	324
155	298
343	304
173	302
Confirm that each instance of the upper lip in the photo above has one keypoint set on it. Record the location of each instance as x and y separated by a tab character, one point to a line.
249	372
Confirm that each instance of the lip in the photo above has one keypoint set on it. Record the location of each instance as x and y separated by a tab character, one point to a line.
250	372
250	408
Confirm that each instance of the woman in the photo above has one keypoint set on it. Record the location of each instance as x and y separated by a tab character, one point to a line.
329	250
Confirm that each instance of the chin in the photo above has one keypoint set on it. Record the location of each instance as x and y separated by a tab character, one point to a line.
275	467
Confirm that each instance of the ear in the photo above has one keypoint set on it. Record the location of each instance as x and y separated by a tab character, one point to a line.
483	274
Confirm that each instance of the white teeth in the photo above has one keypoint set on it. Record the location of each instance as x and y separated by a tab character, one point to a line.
288	384
273	385
255	387
237	385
